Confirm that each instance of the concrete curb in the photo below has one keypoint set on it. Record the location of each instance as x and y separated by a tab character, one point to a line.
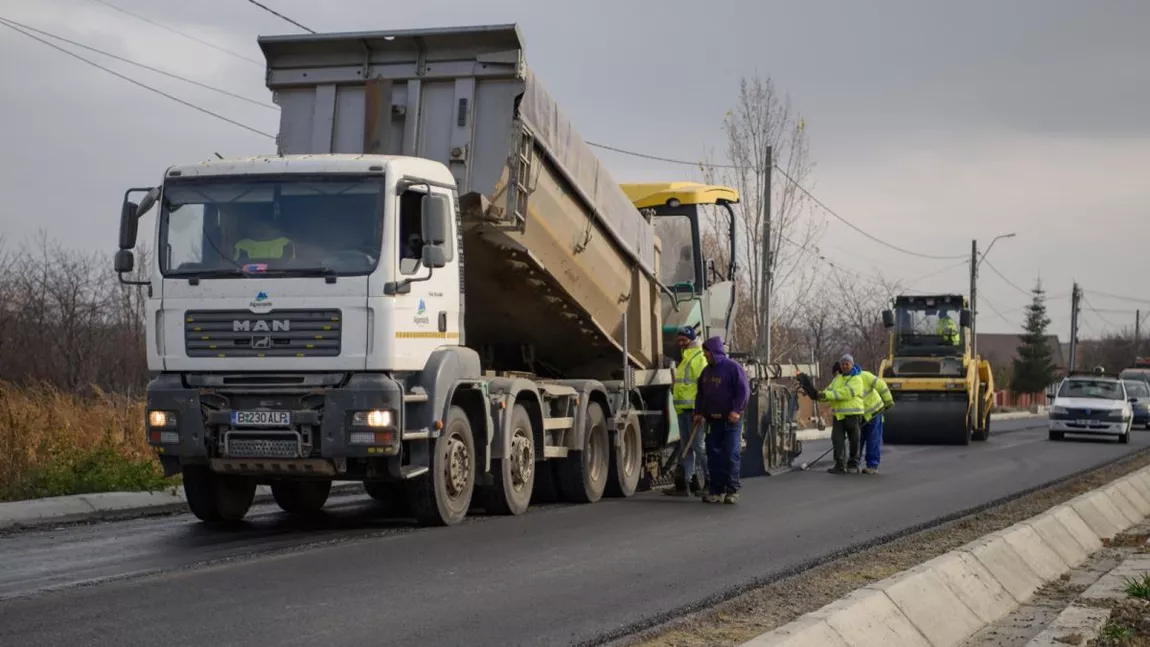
947	600
824	434
117	505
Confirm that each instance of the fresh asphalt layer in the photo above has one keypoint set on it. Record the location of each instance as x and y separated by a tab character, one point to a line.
558	575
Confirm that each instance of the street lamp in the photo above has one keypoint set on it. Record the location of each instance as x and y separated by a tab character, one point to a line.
975	261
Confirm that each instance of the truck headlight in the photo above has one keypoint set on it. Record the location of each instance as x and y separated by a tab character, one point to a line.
375	419
161	419
1117	414
1058	411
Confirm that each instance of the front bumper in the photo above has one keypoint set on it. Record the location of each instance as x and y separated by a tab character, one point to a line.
1090	427
1141	416
318	441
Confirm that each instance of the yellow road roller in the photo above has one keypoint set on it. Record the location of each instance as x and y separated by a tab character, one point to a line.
943	394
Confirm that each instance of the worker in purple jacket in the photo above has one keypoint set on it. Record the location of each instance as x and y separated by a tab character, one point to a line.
721	400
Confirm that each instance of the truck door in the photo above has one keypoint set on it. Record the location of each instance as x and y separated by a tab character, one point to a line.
427	316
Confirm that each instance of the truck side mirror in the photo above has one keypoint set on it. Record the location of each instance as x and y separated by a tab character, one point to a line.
964	318
125	261
887	319
436	219
434	256
130	213
129	224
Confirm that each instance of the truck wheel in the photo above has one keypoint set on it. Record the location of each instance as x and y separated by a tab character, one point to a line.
583	474
626	460
301	497
514	475
216	498
443	495
389	495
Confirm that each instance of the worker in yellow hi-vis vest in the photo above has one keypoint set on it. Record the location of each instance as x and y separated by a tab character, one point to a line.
693	459
265	243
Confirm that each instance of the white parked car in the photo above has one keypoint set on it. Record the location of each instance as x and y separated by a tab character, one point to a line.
1091	404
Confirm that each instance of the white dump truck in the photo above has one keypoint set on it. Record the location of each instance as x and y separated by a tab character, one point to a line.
433	287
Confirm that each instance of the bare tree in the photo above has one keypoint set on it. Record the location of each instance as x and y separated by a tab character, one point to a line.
65	320
763	118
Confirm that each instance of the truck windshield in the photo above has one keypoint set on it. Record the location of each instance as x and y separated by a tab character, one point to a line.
928	329
273	226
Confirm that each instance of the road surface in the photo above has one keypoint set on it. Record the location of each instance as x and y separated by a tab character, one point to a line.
559	575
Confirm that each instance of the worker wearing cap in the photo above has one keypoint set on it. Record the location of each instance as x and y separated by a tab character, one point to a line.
693	459
947	330
876	400
722	398
844	394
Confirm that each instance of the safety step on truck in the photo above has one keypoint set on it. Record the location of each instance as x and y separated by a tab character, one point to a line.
432	287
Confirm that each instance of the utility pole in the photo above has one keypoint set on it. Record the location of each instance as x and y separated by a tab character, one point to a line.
1075	297
974	316
1137	333
766	275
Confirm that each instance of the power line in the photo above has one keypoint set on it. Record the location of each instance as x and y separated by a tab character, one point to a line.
994	309
790	179
850	224
280	15
1006	280
180	33
137	83
1120	297
1090	306
140	65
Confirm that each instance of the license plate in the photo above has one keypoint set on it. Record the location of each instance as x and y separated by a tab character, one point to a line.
261	418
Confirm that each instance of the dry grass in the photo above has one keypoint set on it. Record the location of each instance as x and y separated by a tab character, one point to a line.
54	443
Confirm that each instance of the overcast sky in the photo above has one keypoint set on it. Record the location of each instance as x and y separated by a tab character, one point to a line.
931	122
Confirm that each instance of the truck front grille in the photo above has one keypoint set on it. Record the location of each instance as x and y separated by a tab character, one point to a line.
242	447
282	333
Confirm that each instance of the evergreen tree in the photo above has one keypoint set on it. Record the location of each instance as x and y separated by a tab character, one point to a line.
1034	368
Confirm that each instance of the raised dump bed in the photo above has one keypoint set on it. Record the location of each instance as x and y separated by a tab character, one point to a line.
554	251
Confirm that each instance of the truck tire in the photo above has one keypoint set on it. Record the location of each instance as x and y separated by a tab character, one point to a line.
389	497
302	498
626	460
514	475
583	474
442	496
217	498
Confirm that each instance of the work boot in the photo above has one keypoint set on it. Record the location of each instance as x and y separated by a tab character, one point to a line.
695	488
712	498
731	498
870	470
852	468
837	469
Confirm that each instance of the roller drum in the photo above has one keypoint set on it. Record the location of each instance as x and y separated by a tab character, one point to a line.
927	419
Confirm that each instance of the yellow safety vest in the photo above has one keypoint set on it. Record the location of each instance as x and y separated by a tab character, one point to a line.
948	330
876	394
845	395
263	249
687	374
